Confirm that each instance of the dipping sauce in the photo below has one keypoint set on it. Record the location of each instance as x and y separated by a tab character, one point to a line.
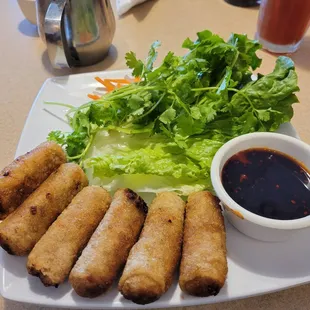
268	183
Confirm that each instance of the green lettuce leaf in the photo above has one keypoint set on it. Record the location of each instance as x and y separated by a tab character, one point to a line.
119	154
267	101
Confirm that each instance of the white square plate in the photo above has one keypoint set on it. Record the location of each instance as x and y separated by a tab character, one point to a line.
254	267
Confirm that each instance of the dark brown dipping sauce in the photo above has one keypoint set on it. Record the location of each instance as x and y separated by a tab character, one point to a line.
268	183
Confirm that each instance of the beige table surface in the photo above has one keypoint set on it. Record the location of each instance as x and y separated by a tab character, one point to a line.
24	66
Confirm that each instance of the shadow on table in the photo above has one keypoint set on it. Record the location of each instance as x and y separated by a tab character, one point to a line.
252	8
140	11
302	56
28	29
101	66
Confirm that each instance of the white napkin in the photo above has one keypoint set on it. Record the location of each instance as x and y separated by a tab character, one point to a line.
122	6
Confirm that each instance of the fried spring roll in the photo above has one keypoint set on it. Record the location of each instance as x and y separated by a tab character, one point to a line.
109	246
151	263
26	173
22	229
54	255
203	267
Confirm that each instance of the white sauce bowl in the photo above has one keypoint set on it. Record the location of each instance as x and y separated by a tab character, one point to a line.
251	224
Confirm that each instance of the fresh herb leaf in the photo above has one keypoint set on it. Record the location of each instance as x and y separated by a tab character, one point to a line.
247	51
57	136
168	116
152	55
133	63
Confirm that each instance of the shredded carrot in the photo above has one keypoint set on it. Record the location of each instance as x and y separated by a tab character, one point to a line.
118	81
94	97
107	84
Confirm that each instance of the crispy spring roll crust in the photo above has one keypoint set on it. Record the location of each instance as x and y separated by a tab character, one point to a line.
22	229
203	267
109	246
151	263
26	173
54	255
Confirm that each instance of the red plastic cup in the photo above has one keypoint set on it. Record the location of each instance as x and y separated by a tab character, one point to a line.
282	24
